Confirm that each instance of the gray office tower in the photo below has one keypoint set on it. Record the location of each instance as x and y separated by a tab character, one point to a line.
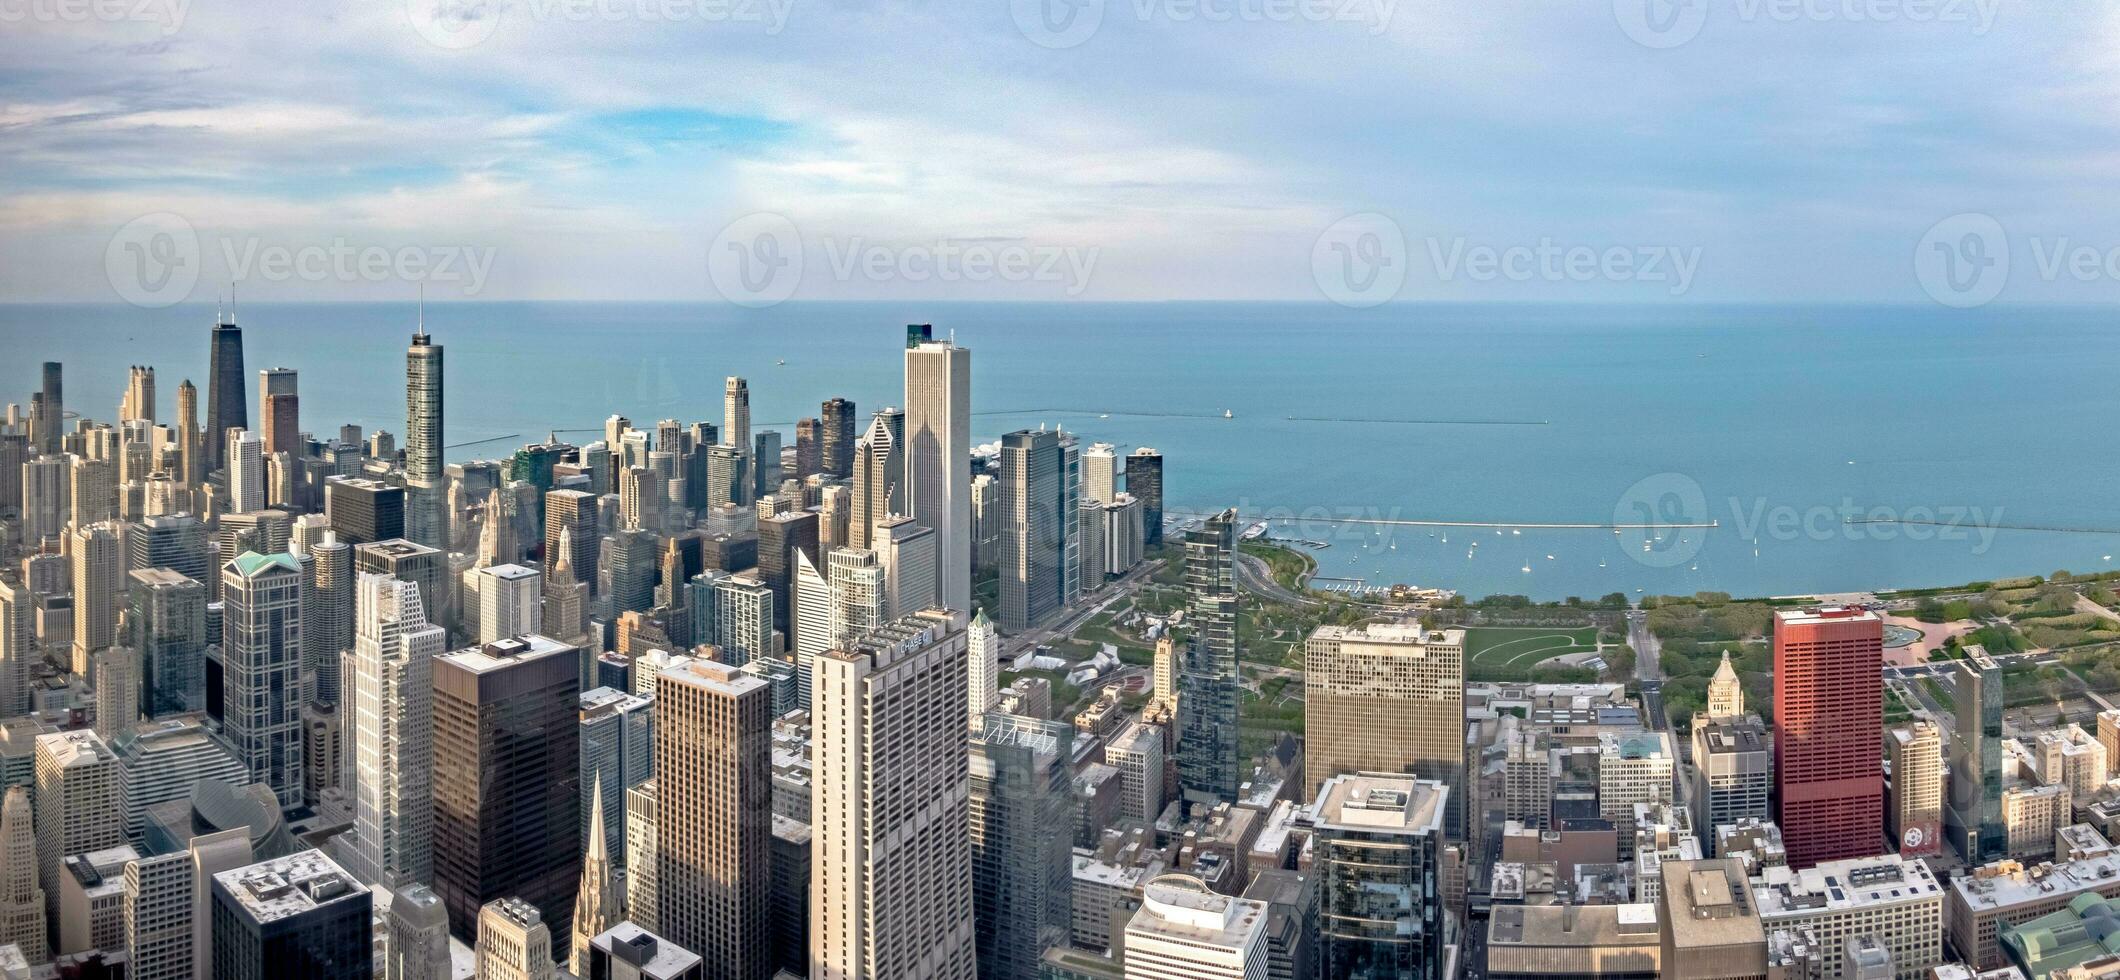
172	541
837	457
507	765
169	629
1144	479
1973	821
1208	764
226	406
327	622
1032	582
299	917
362	510
1022	872
426	512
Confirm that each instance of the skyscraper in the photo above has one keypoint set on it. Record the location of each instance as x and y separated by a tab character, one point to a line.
810	619
419	936
879	477
327	621
906	551
1915	811
227	407
1032	583
1829	714
80	804
982	669
780	537
571	514
1974	818
836	456
191	466
393	732
514	943
426	519
21	896
279	409
1208	761
1378	841
1385	698
1144	479
888	806
506	814
938	456
617	753
1184	931
99	589
261	656
139	403
48	411
736	413
1022	868
714	819
295	916
363	510
245	461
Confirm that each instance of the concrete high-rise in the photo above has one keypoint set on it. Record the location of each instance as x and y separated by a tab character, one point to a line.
392	681
362	510
245	462
99	589
906	551
274	382
514	943
506	811
780	538
1385	698
227	407
982	667
1185	931
1022	870
1973	821
1829	715
80	804
888	806
261	658
736	413
572	515
418	926
139	403
18	656
1032	583
191	449
714	819
938	456
327	621
22	902
426	517
1208	760
1914	811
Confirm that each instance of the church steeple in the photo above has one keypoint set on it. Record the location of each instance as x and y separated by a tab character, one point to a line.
597	905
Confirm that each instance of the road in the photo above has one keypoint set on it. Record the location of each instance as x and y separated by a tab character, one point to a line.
1648	667
1064	627
1256	577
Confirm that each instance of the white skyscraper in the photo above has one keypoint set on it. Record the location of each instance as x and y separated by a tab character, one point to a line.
510	601
907	553
246	472
99	589
858	593
1100	472
80	804
938	457
888	805
1183	931
982	645
810	617
393	745
513	942
158	917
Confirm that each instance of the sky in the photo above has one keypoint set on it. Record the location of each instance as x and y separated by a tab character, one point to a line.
1955	152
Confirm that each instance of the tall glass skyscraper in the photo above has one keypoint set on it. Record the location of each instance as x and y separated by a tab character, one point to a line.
426	519
1973	821
226	408
1208	764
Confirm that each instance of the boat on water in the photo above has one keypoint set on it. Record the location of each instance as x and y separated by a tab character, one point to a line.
1227	414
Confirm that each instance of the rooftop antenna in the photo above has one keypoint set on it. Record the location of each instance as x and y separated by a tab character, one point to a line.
231	302
421	329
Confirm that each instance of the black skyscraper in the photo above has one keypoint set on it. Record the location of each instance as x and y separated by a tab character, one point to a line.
838	456
226	406
1144	479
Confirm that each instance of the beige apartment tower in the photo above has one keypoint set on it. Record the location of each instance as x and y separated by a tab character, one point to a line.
714	818
1914	805
889	805
1386	698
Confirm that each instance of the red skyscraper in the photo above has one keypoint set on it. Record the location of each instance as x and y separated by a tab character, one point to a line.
1829	711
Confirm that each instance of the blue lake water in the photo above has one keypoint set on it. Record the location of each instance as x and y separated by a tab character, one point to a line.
1774	422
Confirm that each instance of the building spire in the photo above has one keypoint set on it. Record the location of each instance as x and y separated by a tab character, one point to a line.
596	905
419	329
